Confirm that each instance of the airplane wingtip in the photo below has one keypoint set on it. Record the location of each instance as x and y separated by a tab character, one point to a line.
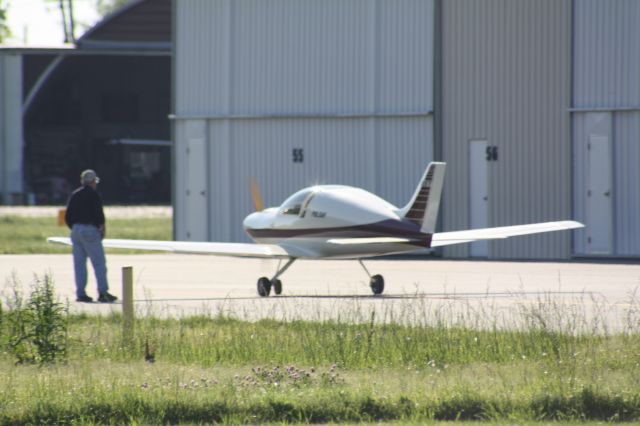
59	240
573	224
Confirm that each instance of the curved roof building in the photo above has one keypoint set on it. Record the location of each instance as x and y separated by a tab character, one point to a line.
102	104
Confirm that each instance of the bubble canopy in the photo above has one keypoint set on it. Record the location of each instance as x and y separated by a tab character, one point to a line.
294	203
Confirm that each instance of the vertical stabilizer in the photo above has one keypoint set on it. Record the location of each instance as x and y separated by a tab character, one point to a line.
425	203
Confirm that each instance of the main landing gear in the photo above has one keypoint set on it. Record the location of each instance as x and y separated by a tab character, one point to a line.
376	282
265	284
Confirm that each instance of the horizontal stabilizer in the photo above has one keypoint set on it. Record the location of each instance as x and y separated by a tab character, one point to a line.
457	237
192	247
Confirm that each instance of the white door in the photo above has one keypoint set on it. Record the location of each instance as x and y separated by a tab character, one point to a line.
599	206
196	195
478	194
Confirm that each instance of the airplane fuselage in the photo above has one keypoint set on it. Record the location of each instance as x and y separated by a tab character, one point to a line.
313	219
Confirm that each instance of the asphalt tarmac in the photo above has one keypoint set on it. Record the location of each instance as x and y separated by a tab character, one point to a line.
571	296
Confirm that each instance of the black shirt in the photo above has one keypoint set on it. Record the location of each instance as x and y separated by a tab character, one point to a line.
84	206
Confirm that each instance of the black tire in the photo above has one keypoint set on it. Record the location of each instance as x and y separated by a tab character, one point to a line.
264	287
277	286
377	284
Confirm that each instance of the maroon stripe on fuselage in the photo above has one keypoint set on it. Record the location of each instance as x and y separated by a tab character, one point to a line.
385	228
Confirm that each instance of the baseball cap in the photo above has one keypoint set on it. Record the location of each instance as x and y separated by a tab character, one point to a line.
89	176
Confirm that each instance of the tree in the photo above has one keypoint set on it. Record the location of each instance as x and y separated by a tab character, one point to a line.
4	28
105	7
68	20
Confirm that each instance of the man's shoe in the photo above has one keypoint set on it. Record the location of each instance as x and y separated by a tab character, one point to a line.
85	299
107	298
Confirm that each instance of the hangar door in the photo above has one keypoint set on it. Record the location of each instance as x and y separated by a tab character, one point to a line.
598	197
606	177
386	156
478	194
594	194
192	179
302	93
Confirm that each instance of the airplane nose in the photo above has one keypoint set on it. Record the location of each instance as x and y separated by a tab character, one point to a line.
260	220
253	221
250	221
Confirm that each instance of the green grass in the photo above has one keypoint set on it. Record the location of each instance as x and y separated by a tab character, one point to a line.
26	235
219	369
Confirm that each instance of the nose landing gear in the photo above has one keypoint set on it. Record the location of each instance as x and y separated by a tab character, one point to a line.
265	284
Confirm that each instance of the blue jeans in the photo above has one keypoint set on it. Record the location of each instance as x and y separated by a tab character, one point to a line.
87	242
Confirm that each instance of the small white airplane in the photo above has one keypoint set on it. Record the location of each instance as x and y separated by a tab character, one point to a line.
341	222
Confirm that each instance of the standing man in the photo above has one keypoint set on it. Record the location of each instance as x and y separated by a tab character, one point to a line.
85	218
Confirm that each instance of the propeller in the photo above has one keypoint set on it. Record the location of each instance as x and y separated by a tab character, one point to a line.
255	194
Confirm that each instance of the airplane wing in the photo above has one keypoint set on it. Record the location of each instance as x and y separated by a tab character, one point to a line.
192	247
458	237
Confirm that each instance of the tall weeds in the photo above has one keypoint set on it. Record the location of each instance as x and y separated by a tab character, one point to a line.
34	329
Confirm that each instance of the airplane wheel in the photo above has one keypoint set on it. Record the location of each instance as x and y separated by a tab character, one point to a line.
264	286
377	284
277	286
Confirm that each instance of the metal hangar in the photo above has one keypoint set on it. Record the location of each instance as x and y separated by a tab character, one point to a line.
534	104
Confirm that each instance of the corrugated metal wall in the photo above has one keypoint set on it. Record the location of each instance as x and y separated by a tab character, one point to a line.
11	138
627	183
285	56
350	82
506	79
2	127
606	102
606	59
2	130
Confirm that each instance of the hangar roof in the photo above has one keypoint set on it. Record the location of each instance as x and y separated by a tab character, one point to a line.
143	23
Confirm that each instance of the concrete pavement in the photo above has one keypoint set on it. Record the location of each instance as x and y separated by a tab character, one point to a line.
571	295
